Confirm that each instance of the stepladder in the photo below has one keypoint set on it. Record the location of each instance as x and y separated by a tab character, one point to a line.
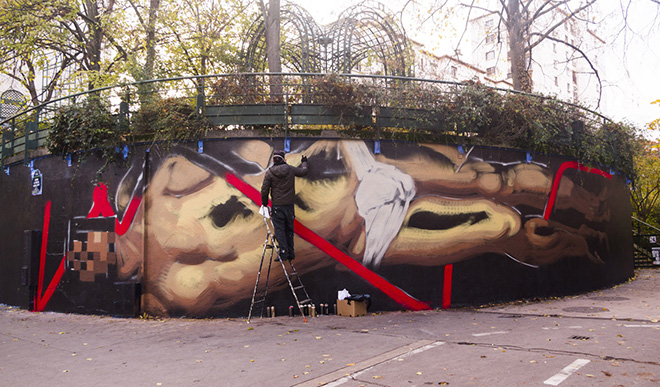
270	254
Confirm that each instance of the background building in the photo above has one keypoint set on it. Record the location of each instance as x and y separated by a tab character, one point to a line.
557	69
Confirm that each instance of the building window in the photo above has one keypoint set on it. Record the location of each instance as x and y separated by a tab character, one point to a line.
490	38
489	23
575	77
554	47
556	81
454	71
490	71
490	55
568	87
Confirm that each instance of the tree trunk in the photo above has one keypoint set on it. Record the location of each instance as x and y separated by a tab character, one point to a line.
95	41
154	5
519	69
147	91
272	20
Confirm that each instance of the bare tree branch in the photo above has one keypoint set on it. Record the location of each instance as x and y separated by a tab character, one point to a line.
585	57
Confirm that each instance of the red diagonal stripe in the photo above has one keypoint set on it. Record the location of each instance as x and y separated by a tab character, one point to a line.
394	292
42	254
51	287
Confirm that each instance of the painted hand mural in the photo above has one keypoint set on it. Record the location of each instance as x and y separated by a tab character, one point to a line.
201	236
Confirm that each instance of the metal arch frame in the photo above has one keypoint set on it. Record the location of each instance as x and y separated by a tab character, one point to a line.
300	45
364	29
360	31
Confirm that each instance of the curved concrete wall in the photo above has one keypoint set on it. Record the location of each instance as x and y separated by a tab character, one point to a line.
414	225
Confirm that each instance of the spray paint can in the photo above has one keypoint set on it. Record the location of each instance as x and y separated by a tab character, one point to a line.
313	310
290	311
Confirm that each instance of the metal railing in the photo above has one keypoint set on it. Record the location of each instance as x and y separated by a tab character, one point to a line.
646	244
246	100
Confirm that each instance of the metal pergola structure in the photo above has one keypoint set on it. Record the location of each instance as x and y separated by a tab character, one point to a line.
363	35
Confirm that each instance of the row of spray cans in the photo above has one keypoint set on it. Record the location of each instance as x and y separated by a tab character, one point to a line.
309	310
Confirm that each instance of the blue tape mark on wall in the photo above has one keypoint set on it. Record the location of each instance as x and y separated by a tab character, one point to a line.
125	152
287	144
68	160
529	157
377	147
461	150
200	146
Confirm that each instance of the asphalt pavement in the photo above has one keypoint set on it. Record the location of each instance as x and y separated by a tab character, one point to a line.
609	337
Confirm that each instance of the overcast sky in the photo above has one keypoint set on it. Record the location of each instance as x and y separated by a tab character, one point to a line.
630	82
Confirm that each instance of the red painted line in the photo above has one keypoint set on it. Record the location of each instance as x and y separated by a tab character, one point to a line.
244	187
394	292
51	287
40	301
446	286
122	227
42	254
560	172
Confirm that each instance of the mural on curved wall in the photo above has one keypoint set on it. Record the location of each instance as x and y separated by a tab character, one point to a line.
407	225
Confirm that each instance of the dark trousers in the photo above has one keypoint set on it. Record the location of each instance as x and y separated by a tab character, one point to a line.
283	217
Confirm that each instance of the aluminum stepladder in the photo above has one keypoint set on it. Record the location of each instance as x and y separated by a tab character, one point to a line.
295	284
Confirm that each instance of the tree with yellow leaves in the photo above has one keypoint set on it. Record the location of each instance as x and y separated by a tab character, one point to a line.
655	124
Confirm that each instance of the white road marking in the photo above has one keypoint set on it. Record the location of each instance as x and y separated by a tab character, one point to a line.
488	333
642	326
350	377
566	372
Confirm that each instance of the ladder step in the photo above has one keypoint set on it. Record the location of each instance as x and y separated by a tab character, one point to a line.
299	287
302	302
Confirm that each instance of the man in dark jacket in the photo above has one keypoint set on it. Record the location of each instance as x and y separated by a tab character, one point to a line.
280	183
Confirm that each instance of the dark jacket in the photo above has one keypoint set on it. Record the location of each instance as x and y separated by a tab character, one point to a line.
280	183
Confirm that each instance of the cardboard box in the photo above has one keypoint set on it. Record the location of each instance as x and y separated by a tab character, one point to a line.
351	308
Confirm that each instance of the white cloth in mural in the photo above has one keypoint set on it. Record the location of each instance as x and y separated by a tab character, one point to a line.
382	197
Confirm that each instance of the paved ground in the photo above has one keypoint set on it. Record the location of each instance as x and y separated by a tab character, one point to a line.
604	338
